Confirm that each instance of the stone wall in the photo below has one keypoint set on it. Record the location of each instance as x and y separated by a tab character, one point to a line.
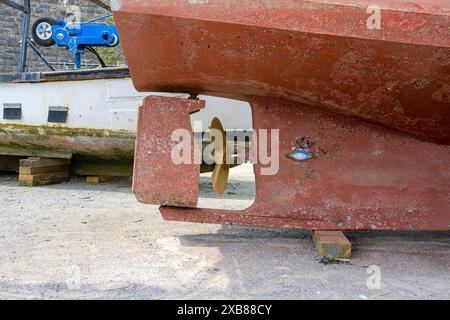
11	26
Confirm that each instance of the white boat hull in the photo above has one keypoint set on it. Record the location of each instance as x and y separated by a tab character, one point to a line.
101	118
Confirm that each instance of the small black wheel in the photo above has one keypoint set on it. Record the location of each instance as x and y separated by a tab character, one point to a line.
42	31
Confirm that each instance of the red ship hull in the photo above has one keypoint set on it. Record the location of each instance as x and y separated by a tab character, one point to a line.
376	97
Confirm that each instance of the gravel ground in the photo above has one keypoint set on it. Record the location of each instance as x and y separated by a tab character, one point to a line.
76	241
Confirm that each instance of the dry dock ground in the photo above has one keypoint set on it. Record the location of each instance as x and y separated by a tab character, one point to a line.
75	241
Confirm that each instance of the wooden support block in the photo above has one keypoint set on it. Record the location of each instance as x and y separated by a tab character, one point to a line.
98	179
332	244
36	171
31	180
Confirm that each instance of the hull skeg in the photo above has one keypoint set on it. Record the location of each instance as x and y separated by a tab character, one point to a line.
93	119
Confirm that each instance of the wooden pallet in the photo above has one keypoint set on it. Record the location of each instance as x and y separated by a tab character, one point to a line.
43	171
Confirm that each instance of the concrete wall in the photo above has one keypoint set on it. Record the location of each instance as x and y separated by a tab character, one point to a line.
11	26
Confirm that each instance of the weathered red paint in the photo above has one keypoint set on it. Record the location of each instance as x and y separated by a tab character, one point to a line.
374	104
316	52
363	176
157	180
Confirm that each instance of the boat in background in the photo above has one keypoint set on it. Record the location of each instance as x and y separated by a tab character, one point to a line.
89	114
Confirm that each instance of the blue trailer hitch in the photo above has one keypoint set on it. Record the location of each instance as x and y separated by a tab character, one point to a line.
77	37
